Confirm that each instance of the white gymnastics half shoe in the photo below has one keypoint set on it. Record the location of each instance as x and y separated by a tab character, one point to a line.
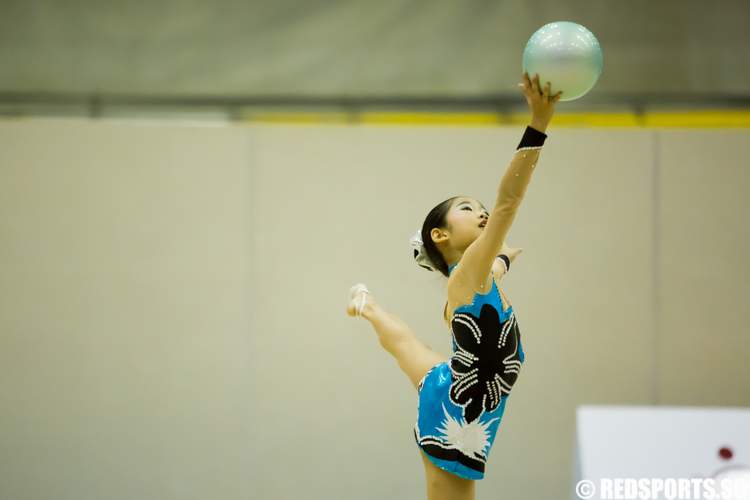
358	297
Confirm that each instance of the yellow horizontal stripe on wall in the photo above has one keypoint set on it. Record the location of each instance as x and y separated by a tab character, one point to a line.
396	118
585	119
705	118
702	118
270	117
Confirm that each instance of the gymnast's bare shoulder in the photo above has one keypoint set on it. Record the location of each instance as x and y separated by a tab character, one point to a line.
498	269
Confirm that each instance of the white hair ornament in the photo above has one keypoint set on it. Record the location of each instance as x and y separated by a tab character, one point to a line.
420	253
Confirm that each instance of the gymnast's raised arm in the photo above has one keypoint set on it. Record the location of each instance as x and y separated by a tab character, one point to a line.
475	265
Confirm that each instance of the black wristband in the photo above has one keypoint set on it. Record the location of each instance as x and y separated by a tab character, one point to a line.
532	138
506	260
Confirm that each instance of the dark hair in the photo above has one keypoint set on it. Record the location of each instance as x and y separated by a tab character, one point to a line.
436	218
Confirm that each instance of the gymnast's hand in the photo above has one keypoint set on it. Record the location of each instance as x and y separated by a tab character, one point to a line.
541	103
512	253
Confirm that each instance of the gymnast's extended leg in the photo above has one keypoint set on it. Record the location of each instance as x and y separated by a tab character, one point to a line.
413	356
415	359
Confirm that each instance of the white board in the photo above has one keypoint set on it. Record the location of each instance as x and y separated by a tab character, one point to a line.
660	442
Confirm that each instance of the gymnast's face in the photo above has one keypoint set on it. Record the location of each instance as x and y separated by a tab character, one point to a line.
464	223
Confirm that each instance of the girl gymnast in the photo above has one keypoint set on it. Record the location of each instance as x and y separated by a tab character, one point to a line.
462	398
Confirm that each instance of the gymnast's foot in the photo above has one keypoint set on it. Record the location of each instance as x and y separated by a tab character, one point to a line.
360	300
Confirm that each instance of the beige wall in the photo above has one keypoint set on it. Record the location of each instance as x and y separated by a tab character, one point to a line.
172	300
704	249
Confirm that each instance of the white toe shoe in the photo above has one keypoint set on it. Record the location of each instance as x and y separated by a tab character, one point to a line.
358	295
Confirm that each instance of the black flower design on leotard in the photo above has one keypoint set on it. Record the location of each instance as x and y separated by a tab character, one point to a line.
486	360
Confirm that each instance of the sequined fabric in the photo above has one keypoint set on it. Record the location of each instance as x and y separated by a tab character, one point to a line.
462	400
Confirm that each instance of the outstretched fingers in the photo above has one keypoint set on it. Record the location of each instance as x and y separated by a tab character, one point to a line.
532	87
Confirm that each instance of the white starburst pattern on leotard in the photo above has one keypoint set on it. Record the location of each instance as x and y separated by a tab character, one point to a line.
470	439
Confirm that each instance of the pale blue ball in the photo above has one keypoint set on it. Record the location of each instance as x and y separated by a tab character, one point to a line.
565	54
